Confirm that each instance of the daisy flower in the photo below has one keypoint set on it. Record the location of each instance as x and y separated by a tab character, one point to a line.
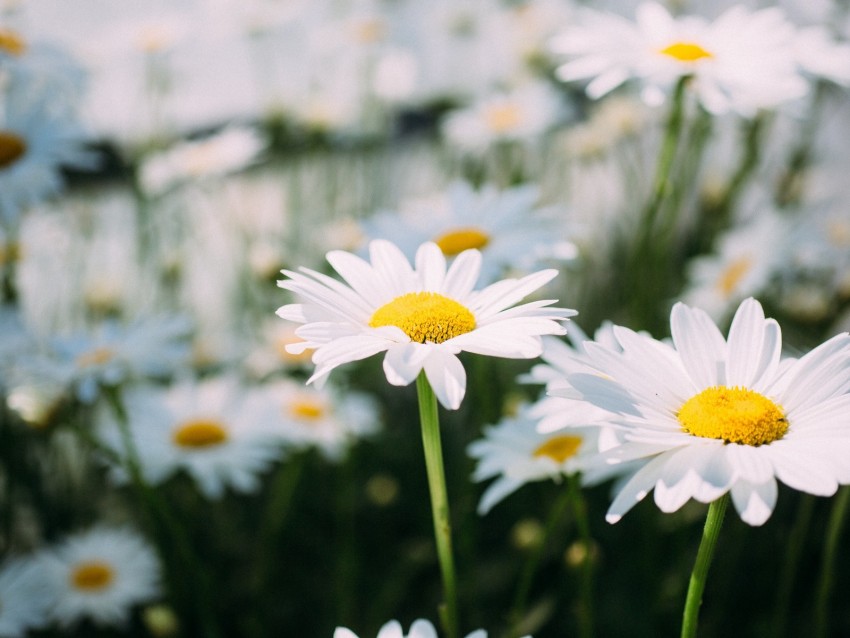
742	61
517	453
509	228
100	574
422	317
393	629
708	415
23	604
211	429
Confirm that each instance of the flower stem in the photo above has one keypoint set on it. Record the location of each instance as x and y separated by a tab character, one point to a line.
585	616
710	532
827	571
430	422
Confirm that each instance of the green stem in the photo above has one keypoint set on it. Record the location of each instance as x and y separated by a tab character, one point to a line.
430	423
793	551
585	618
827	570
711	531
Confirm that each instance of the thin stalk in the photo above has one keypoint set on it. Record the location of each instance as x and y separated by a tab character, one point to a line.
827	569
791	564
585	617
430	422
713	522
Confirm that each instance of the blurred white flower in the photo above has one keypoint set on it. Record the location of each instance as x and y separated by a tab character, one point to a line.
23	603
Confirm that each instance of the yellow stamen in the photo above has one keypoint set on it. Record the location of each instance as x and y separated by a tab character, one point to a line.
370	31
12	148
735	415
92	576
307	409
425	317
456	241
732	275
11	42
559	448
10	253
686	51
200	433
503	118
96	357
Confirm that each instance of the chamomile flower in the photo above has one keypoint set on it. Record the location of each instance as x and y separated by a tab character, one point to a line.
512	232
422	317
212	429
517	453
393	629
23	603
742	61
708	415
100	574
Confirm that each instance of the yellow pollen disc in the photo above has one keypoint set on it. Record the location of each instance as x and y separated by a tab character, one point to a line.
503	118
307	409
92	576
370	31
735	415
11	42
732	275
559	448
686	52
10	253
456	241
12	148
200	433
425	317
96	357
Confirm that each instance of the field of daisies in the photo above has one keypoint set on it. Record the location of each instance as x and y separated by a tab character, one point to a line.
406	319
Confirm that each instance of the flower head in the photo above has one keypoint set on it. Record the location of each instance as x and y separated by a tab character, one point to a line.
708	415
23	604
393	629
421	316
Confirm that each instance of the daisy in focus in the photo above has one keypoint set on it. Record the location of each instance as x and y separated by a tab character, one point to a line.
741	62
422	317
708	415
393	629
100	574
214	430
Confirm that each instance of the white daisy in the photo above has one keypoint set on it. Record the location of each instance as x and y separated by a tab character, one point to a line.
517	453
393	629
321	417
509	228
23	603
422	317
710	415
742	61
213	429
100	574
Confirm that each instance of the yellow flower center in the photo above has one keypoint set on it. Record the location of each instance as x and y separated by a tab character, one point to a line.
92	576
370	31
456	241
425	317
559	448
12	148
11	42
96	357
503	118
10	252
287	357
732	275
200	433
735	415
307	409
686	52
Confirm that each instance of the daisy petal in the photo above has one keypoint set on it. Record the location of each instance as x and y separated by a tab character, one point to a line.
447	377
404	361
636	488
754	502
700	344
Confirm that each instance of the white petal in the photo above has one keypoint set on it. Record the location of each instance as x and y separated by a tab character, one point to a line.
804	472
431	266
447	377
342	632
750	463
754	346
754	502
344	350
359	274
636	488
700	344
404	361
392	629
422	629
462	275
497	491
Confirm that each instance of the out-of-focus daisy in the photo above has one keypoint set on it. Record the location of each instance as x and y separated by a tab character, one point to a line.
322	418
421	316
820	55
212	429
23	603
709	415
511	231
100	574
113	353
35	142
745	259
228	151
520	115
517	453
742	61
393	629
